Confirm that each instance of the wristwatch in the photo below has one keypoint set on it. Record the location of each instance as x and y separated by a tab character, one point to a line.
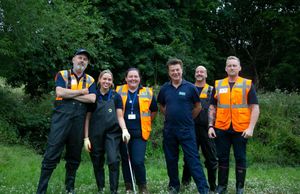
210	126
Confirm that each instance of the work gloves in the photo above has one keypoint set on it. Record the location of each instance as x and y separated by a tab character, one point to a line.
87	144
125	135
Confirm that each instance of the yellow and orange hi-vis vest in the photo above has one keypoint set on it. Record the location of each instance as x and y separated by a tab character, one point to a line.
232	106
145	98
71	81
204	91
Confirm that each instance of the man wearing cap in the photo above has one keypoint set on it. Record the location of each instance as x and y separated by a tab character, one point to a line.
74	89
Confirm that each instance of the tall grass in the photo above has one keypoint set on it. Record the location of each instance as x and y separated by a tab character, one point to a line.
20	169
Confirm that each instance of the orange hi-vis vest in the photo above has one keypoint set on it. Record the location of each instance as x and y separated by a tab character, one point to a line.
145	98
232	104
71	82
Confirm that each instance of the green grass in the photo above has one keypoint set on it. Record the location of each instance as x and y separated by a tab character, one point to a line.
20	168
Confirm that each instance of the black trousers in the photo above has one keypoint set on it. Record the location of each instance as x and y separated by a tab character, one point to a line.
66	132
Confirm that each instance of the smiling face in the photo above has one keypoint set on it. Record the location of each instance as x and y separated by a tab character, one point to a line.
200	73
133	79
106	81
80	63
233	67
175	72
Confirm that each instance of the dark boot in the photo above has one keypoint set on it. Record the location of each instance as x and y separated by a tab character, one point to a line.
114	177
99	176
70	180
44	179
240	175
128	187
143	189
222	180
212	176
186	175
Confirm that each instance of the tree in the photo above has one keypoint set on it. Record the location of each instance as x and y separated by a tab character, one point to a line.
39	37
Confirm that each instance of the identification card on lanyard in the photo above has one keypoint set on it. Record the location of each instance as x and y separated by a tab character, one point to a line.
132	116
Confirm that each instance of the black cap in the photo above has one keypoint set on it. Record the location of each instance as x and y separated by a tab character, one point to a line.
82	51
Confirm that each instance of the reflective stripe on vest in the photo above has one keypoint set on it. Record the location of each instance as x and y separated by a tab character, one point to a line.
145	99
71	82
204	91
232	106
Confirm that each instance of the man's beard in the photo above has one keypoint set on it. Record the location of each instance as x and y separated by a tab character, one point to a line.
79	68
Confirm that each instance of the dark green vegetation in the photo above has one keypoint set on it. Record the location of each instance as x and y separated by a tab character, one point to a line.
276	137
38	37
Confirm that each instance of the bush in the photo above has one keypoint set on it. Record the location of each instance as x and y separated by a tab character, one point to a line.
24	120
277	134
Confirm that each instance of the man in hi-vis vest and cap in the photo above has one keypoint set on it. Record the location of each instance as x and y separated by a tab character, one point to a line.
233	114
74	89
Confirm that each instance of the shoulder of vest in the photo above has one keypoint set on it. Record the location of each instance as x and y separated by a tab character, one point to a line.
89	78
119	88
219	80
146	89
248	81
64	74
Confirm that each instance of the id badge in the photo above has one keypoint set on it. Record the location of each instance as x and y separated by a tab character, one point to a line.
223	90
131	116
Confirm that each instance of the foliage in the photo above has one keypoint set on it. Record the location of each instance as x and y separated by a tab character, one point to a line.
37	38
277	133
260	33
24	120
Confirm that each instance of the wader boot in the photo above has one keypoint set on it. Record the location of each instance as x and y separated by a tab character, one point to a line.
99	175
44	179
222	180
240	175
143	189
128	188
114	177
70	181
212	176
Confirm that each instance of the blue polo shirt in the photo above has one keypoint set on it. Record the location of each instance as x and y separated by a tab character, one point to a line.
179	103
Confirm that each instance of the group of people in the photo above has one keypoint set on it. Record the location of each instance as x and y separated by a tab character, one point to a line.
116	123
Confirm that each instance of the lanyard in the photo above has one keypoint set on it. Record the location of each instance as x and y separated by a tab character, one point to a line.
109	96
132	101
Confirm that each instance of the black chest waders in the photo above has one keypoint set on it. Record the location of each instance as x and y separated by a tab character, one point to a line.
105	136
66	131
67	126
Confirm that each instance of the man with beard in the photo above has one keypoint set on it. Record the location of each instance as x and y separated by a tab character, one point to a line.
201	129
74	89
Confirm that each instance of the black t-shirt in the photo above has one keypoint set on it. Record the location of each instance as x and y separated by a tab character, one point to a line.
111	94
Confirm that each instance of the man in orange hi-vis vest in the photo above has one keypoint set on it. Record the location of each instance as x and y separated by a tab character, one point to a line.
233	113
